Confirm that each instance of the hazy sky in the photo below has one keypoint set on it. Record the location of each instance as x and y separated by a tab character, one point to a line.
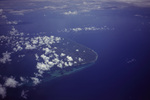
142	3
63	6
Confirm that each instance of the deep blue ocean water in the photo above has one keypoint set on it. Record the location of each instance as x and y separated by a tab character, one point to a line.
122	70
113	77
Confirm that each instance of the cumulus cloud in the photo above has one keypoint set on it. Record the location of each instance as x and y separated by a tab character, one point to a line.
69	58
62	54
47	50
66	64
70	63
77	29
13	22
56	60
5	58
17	48
2	91
23	79
60	65
80	59
13	31
45	58
29	46
42	66
37	57
35	80
71	13
92	28
11	82
77	50
24	94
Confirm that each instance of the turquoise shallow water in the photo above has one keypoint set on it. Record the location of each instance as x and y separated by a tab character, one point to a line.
58	73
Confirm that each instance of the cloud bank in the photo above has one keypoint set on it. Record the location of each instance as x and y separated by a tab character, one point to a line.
69	7
140	3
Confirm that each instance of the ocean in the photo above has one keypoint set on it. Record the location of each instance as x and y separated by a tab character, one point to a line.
121	71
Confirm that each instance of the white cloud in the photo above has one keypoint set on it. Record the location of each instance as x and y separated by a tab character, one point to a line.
80	59
55	61
6	57
11	82
2	91
140	3
92	28
23	79
56	55
75	62
50	64
80	5
35	80
34	40
46	39
60	65
13	22
62	54
45	58
77	50
1	11
47	50
77	29
13	31
55	7
66	64
69	58
20	12
70	63
21	56
42	66
36	56
4	16
57	39
17	48
29	46
24	94
71	13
